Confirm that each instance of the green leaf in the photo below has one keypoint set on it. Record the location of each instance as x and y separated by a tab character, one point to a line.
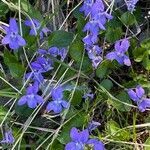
60	38
107	84
113	34
29	9
57	146
128	18
3	112
16	69
138	54
103	69
123	97
77	97
77	121
147	143
3	9
81	21
23	111
146	44
113	128
146	61
76	50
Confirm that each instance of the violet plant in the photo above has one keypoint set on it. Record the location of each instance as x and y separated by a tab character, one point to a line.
50	88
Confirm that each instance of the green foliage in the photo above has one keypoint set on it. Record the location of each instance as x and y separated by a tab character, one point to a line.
103	69
29	9
114	30
107	84
128	19
60	38
116	132
3	9
76	50
23	111
113	34
111	105
147	143
76	121
15	67
141	54
123	104
3	112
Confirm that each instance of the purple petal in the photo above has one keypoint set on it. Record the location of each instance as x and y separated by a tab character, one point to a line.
41	35
111	56
21	41
71	146
65	104
13	25
57	93
84	136
127	61
93	125
98	145
14	44
120	60
54	51
140	91
32	103
144	104
28	23
74	134
35	66
39	99
125	44
133	95
96	61
6	39
117	45
33	32
22	100
42	51
57	108
45	30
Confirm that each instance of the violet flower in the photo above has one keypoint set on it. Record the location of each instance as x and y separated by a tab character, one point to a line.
80	140
87	6
35	25
139	97
57	104
54	51
131	4
97	20
8	138
119	55
93	125
35	76
12	35
42	64
31	98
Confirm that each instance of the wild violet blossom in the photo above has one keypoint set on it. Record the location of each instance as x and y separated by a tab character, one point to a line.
97	20
12	35
36	25
35	76
131	4
57	104
42	64
8	138
80	140
31	98
119	55
54	51
139	97
93	125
